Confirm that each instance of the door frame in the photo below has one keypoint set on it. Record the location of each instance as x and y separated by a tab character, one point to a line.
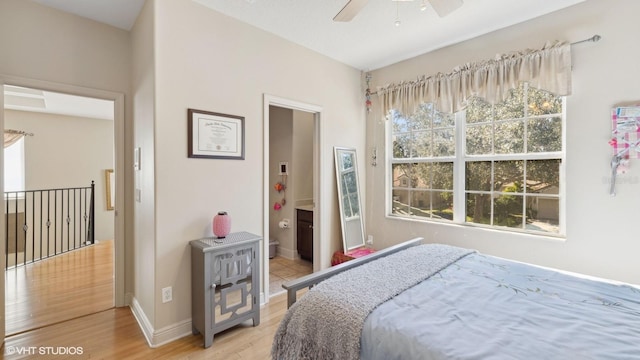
119	160
318	184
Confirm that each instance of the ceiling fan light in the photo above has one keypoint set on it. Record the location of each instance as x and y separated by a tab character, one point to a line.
397	23
423	6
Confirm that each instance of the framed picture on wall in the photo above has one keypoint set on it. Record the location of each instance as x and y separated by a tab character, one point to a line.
215	136
109	184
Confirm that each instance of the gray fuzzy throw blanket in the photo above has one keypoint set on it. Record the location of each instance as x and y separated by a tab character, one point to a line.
327	321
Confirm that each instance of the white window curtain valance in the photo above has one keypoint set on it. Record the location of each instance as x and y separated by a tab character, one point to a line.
12	136
548	68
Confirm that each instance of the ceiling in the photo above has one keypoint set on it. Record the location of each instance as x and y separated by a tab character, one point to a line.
34	100
369	41
119	13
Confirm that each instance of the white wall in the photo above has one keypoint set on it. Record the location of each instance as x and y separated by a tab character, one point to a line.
302	166
208	61
281	149
66	152
601	230
143	88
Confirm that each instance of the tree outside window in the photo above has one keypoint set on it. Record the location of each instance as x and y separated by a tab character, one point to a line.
508	159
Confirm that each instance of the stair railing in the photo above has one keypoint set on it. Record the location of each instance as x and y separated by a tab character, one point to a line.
43	223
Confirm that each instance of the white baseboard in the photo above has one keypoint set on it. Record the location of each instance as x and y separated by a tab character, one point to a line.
141	318
288	253
156	338
172	332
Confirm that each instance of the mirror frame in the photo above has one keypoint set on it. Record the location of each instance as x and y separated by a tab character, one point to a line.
337	151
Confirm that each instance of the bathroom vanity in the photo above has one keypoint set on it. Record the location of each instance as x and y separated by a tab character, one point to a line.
304	232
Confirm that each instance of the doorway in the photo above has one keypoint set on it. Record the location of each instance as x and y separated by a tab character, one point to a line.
291	177
299	192
34	106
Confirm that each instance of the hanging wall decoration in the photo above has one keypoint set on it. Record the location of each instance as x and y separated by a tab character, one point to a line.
367	93
281	187
215	135
625	140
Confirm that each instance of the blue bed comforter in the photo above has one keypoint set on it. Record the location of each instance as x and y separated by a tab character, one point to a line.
482	307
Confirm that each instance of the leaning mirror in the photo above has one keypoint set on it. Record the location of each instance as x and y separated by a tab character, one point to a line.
349	198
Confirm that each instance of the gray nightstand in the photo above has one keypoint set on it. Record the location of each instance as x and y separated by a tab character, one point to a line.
225	283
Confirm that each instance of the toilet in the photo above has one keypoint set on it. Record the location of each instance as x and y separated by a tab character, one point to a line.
273	244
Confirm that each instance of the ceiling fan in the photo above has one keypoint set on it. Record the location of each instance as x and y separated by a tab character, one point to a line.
353	7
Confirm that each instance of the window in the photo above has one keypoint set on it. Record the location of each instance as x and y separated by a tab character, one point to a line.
489	165
423	161
14	166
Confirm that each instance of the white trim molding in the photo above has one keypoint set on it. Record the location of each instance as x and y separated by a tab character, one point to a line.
165	335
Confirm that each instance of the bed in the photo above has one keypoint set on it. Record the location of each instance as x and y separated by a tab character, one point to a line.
434	301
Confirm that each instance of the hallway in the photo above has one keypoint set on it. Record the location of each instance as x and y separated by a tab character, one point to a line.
63	287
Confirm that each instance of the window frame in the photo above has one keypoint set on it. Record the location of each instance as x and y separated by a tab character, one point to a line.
460	160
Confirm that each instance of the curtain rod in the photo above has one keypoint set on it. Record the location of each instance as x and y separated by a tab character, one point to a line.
594	38
20	132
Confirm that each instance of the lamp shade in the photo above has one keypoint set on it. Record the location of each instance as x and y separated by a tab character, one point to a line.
221	224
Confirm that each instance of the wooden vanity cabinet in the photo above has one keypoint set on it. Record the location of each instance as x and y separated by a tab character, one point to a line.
304	234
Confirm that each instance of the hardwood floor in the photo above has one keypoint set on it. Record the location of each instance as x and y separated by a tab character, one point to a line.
63	287
115	334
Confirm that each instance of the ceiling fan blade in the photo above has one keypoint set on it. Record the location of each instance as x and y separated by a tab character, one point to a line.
445	7
350	10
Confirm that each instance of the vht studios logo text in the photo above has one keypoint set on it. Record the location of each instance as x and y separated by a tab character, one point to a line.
44	350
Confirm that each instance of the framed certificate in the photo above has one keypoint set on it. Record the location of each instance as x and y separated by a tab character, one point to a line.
215	136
